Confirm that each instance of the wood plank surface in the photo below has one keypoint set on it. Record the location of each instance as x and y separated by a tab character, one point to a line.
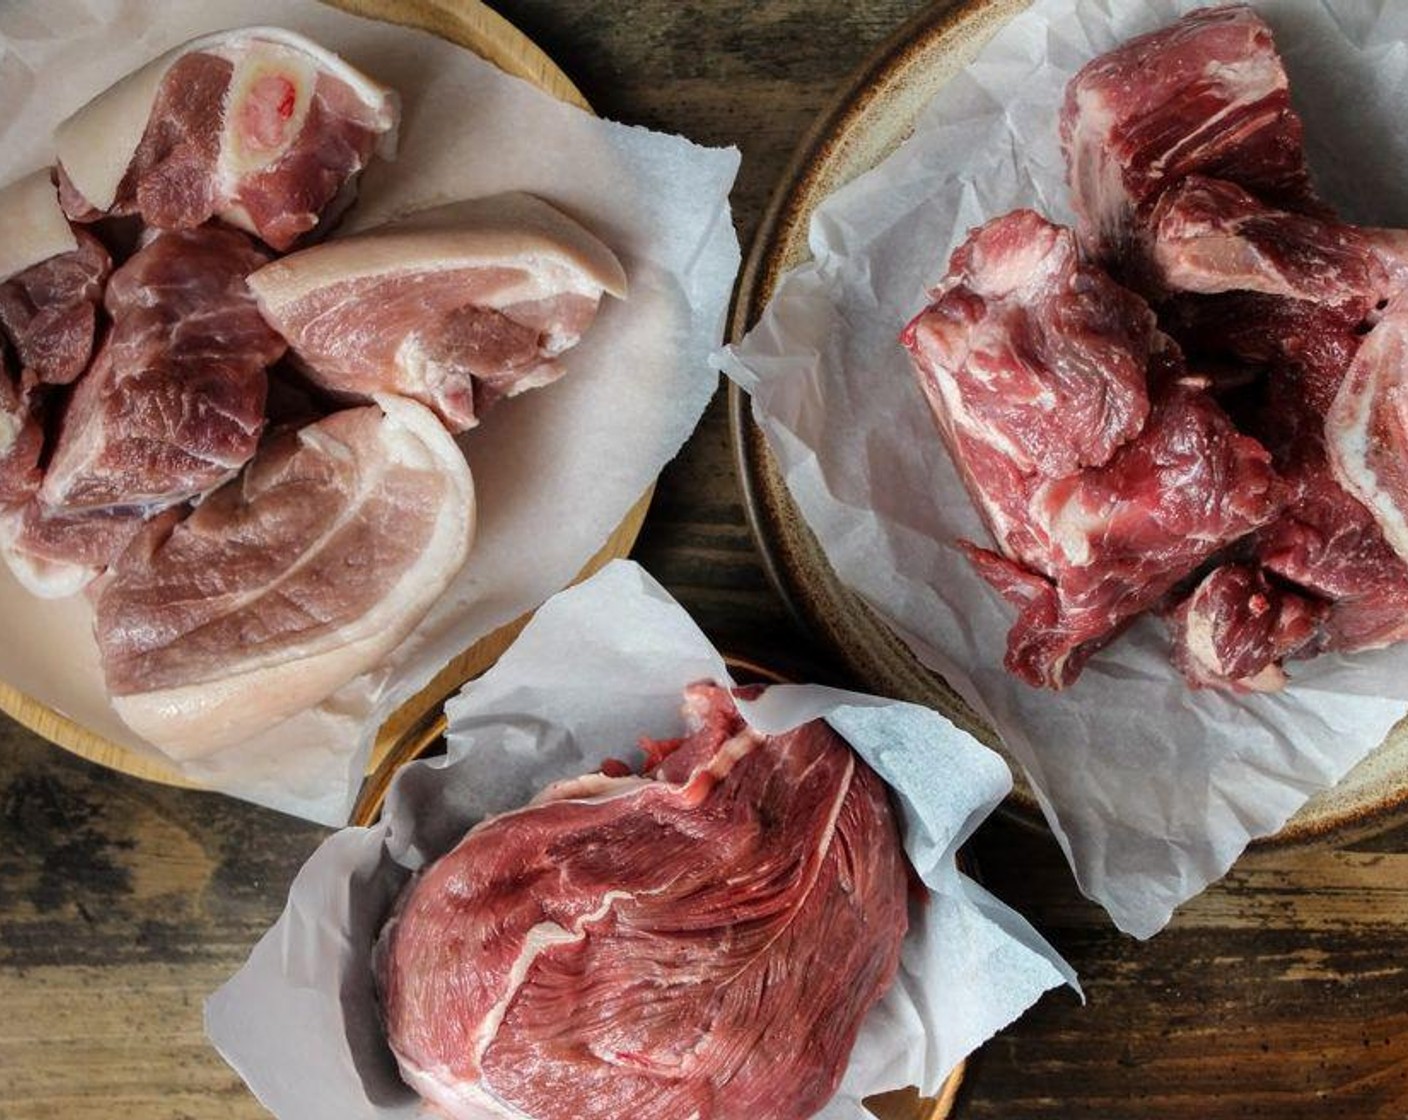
1280	993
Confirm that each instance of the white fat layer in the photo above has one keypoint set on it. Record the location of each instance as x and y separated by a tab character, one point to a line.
1070	525
34	224
10	428
96	144
1377	368
1200	636
1245	81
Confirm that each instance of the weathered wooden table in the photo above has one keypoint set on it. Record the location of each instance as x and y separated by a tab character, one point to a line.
1282	992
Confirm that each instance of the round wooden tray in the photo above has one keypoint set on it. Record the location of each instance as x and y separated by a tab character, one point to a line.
427	737
474	27
870	119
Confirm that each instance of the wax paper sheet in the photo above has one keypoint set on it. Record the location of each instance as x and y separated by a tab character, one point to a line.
299	1021
1152	789
555	470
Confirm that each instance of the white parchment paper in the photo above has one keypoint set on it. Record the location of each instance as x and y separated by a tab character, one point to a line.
299	1022
555	470
1152	789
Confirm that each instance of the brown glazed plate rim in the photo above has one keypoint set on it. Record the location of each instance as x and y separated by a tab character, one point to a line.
865	123
903	1104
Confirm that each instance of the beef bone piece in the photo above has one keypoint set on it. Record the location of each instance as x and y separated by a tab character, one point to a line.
258	126
702	941
455	306
287	582
1038	370
174	402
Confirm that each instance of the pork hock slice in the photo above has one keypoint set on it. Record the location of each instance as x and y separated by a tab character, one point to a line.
455	306
51	282
702	941
55	555
257	126
1236	628
287	582
174	402
1207	96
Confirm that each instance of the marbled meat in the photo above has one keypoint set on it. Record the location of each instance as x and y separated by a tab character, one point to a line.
701	941
455	307
288	581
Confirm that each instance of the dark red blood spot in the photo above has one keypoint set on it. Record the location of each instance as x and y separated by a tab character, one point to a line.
615	768
267	109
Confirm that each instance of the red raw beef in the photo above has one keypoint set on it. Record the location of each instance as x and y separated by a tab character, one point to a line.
1236	627
701	942
49	312
1105	510
1206	96
174	403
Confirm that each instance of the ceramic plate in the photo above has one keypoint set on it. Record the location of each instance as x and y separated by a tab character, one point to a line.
870	119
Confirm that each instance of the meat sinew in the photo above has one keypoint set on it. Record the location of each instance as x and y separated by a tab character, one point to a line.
259	127
51	282
1206	96
704	941
455	307
174	402
1099	502
287	582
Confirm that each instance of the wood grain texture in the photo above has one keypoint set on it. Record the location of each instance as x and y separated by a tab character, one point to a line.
1280	993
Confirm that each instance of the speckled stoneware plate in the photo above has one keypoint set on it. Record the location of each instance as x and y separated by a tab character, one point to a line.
869	120
477	28
428	738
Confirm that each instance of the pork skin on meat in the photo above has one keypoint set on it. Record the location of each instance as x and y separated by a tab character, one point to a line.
702	941
455	307
174	402
258	127
287	582
51	282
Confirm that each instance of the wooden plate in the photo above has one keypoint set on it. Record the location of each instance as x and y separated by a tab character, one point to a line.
866	123
427	737
474	27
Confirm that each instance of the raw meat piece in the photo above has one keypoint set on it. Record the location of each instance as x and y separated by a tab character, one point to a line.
1118	538
1035	368
1329	544
1206	96
704	942
49	312
258	127
1236	628
455	307
1032	353
174	403
1211	236
287	582
21	438
54	555
1366	429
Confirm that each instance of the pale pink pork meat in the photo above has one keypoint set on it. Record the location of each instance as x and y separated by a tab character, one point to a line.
258	127
49	312
455	307
174	402
701	941
288	581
